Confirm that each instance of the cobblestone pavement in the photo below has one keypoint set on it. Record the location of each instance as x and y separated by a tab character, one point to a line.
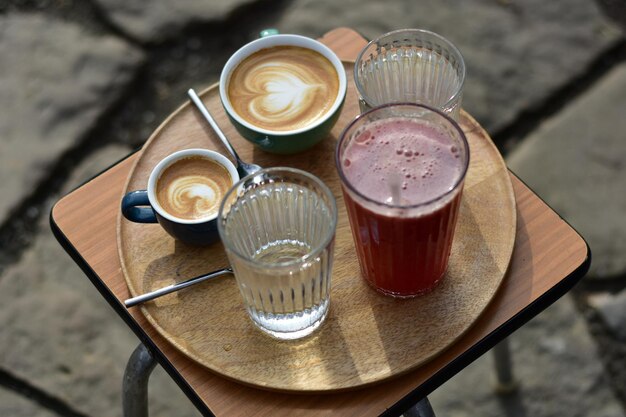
84	82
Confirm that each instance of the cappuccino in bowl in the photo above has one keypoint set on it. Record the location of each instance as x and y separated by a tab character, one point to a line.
184	193
283	88
283	93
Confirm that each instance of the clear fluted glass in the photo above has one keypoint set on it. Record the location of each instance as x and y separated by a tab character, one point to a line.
278	228
411	66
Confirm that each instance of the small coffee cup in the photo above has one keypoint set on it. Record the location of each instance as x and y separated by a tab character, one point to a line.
284	93
184	193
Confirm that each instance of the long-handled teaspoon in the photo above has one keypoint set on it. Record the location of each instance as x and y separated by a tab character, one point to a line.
131	302
243	168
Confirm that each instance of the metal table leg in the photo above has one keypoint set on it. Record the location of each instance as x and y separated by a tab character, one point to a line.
135	383
506	382
421	409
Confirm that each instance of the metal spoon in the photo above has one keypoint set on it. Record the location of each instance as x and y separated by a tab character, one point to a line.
175	287
243	168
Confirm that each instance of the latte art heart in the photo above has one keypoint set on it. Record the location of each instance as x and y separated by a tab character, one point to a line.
283	88
281	92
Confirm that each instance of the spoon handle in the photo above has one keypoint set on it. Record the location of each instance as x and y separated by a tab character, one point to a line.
205	112
131	302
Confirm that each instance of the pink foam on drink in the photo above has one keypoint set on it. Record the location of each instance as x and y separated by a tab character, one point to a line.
402	158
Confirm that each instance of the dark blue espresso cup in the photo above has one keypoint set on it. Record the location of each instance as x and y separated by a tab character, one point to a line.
197	185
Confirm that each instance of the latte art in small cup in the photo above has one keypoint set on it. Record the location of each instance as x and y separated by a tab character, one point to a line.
283	88
183	195
192	197
192	188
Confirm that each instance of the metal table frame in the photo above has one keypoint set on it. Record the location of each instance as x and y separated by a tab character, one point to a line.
142	362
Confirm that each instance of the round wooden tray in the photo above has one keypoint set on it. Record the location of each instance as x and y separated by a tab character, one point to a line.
366	337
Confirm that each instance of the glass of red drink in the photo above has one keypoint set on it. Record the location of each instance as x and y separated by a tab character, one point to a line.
402	167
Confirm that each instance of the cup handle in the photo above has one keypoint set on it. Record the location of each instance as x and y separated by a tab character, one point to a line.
268	32
136	214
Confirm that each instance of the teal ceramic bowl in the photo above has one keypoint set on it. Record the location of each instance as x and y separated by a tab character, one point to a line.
293	141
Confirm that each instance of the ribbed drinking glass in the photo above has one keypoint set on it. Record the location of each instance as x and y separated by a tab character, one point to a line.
278	228
411	66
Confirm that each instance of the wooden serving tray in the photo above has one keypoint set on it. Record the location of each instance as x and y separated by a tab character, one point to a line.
366	337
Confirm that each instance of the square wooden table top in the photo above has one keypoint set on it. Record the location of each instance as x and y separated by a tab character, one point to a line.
549	257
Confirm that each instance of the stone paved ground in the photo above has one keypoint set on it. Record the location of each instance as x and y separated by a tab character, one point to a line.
83	82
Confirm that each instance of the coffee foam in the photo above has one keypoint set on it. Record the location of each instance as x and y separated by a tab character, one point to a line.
192	194
192	188
283	88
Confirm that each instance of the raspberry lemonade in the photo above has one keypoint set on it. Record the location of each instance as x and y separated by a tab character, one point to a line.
402	168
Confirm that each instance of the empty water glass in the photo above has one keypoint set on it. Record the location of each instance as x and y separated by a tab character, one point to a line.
278	228
410	66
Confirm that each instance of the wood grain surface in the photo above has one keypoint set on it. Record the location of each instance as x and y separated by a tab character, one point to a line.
546	252
366	337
